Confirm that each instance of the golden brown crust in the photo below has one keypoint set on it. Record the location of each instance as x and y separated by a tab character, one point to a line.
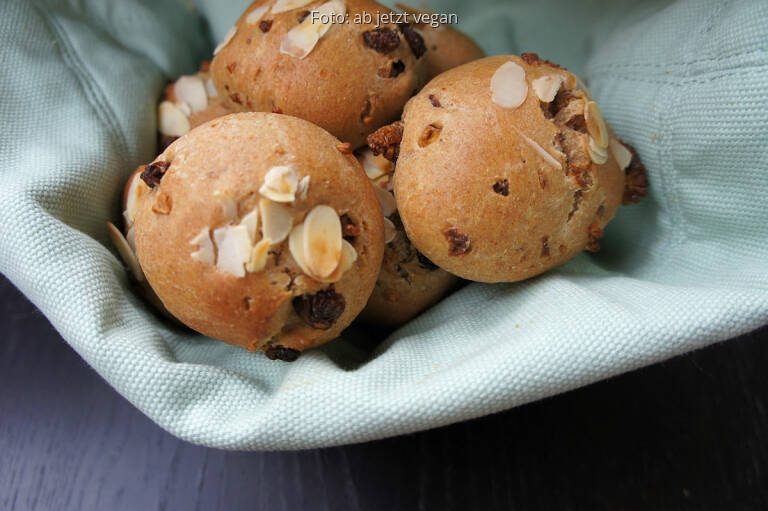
230	156
447	190
343	85
408	284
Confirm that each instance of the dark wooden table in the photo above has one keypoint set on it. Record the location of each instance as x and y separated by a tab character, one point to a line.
691	433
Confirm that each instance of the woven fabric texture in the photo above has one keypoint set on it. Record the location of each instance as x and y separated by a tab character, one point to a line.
685	82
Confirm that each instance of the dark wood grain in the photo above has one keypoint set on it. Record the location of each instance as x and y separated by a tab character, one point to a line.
690	433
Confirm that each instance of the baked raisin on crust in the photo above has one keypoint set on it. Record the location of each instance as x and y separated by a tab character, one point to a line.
385	141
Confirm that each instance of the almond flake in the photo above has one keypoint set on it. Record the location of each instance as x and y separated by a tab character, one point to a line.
508	85
598	154
621	153
546	87
171	120
296	246
228	206
375	166
258	258
390	231
134	192
227	38
280	184
210	88
251	223
185	108
387	201
191	90
348	257
130	237
256	14
542	152
205	252
596	124
276	220
233	247
303	188
288	5
301	39
126	254
322	240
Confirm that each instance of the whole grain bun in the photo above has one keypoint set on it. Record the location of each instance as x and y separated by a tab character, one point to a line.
408	282
356	78
215	196
497	179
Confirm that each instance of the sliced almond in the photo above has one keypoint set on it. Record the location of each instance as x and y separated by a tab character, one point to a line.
251	223
133	194
322	240
255	15
233	249
227	38
296	247
508	85
598	154
276	220
621	153
390	231
258	258
546	87
126	254
375	166
227	203
596	124
205	252
583	86
171	120
130	237
301	39
210	88
348	257
542	152
191	90
303	188
387	201
280	184
288	5
185	108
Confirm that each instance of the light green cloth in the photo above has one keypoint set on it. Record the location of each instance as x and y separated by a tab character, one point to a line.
686	83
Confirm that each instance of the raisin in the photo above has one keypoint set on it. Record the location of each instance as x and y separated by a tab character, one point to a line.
425	263
382	40
430	134
386	140
344	147
349	229
636	184
545	246
396	68
282	353
578	196
235	97
501	187
231	67
320	310
414	40
593	237
459	243
265	25
435	102
154	172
